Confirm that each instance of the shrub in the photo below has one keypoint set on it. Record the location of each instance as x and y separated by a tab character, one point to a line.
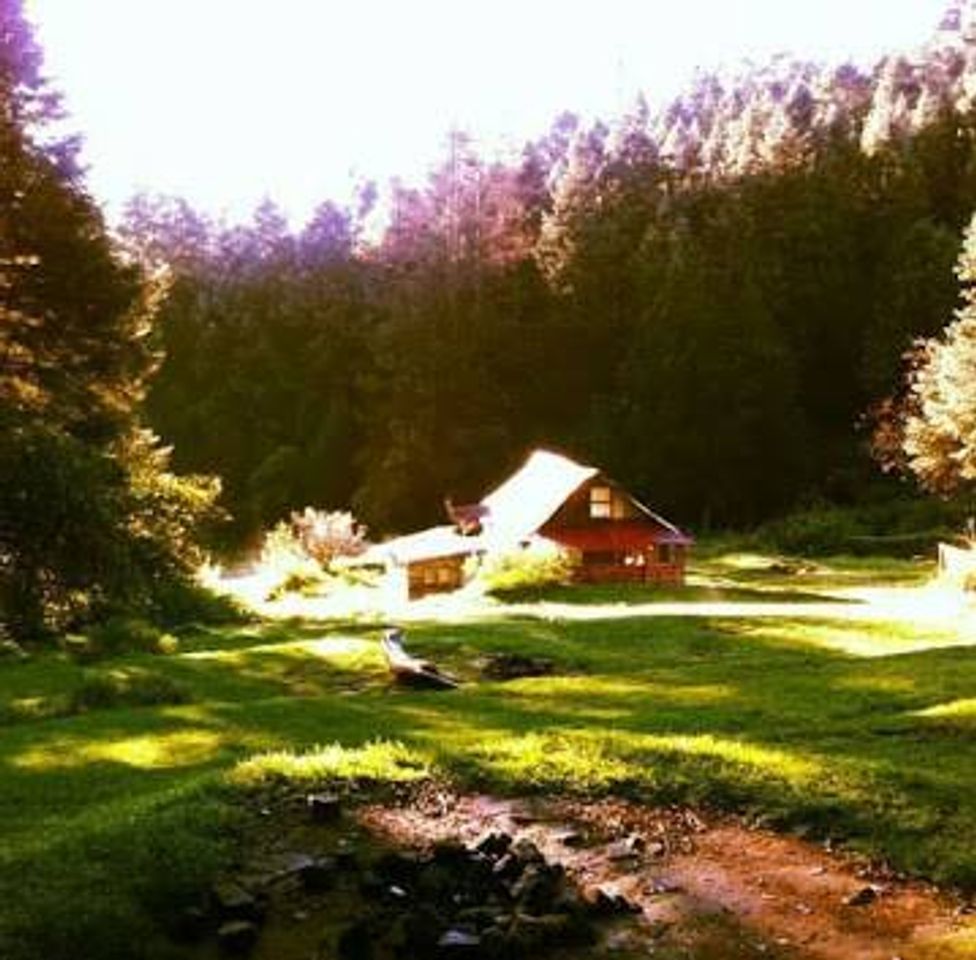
180	600
893	527
308	583
528	569
122	634
298	552
325	536
125	688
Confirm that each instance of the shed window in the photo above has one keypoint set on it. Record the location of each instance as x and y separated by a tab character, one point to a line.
601	501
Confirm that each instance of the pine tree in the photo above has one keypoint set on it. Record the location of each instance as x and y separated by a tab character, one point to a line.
77	475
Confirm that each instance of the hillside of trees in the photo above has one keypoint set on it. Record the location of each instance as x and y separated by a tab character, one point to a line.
707	300
712	301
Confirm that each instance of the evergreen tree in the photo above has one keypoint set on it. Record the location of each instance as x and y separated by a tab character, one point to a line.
77	477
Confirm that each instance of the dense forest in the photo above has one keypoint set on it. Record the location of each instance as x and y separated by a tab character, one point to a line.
707	300
712	300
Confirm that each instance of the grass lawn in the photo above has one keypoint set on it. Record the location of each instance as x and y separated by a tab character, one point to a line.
114	782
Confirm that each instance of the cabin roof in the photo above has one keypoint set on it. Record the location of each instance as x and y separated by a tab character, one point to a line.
528	498
513	512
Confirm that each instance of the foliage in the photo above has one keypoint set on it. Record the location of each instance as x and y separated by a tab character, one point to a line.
665	293
381	760
91	518
299	553
940	429
888	527
285	559
126	688
520	570
326	536
122	634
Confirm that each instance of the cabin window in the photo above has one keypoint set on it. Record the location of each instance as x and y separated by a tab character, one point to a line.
445	575
601	503
665	553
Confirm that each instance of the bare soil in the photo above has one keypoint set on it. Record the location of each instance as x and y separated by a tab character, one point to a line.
707	887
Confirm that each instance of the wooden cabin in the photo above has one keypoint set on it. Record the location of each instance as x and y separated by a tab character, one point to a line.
615	537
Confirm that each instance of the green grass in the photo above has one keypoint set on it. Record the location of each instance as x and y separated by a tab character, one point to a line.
861	731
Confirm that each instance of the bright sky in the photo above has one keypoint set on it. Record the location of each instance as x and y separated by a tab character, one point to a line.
225	102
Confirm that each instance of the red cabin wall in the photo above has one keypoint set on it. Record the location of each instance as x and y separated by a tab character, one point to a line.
627	547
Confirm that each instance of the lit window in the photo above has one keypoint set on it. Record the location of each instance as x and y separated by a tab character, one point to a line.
601	500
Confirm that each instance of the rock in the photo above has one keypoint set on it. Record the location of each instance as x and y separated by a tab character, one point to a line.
398	868
656	848
355	942
191	925
610	903
511	666
508	868
493	844
527	852
626	849
319	875
862	897
570	838
417	931
480	917
323	807
538	887
237	937
530	934
233	902
458	942
450	853
494	944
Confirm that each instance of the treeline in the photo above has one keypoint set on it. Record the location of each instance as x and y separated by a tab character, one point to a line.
706	301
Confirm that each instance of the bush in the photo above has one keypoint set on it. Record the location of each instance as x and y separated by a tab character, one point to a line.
325	536
300	551
890	527
528	569
125	688
178	601
121	634
308	583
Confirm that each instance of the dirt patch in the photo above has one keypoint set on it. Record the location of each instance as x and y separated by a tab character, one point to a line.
695	887
710	888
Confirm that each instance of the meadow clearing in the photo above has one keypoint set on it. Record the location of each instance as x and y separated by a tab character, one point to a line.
838	715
